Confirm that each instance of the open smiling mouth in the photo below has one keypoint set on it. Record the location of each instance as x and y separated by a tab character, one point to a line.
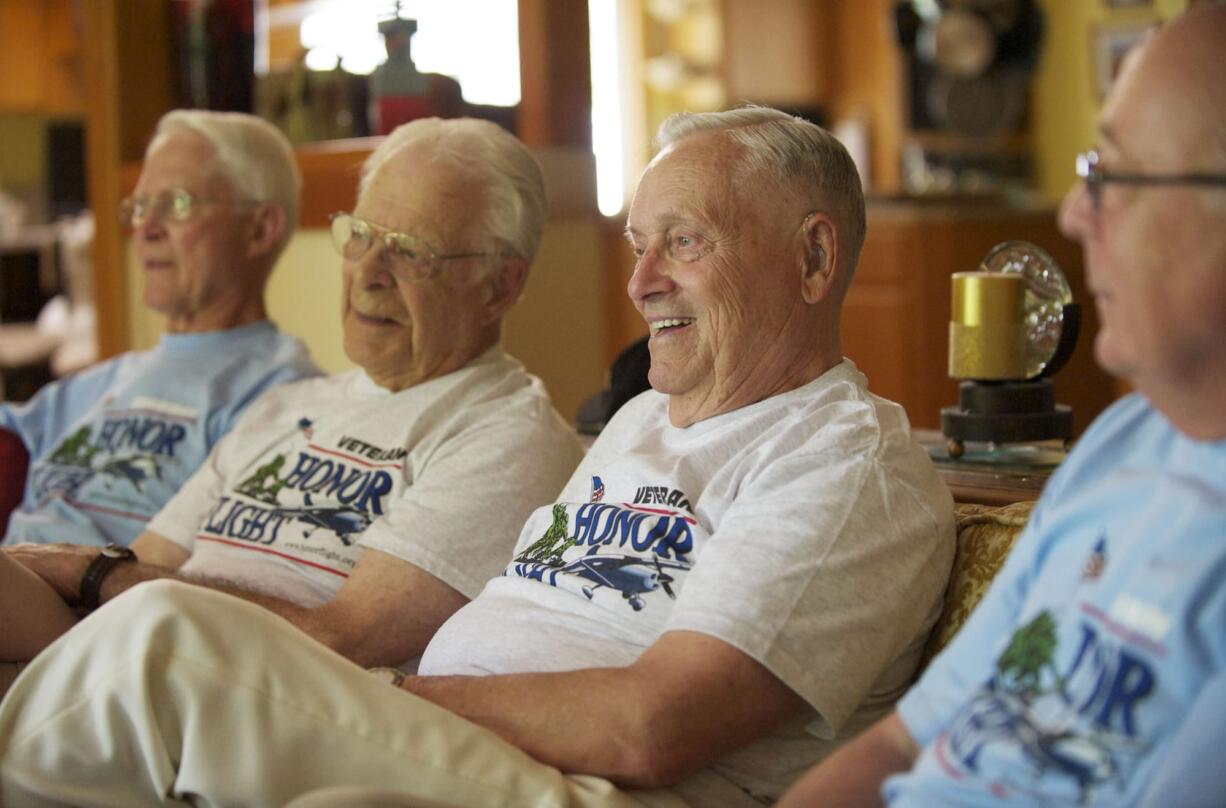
665	326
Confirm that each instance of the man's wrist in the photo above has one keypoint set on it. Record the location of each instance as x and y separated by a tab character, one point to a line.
90	590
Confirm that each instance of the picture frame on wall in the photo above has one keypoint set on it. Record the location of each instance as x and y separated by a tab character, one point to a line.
1110	44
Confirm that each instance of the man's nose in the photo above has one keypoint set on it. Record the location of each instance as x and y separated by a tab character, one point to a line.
149	228
1077	214
371	271
651	275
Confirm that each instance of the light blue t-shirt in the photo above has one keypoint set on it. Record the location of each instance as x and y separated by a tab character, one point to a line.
1192	776
1073	679
110	445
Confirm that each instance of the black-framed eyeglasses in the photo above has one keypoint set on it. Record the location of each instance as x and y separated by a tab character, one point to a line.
409	256
172	205
1095	178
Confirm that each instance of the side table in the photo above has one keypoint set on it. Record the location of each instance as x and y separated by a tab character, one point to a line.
993	475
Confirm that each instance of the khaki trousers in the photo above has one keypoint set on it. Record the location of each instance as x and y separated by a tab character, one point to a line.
174	694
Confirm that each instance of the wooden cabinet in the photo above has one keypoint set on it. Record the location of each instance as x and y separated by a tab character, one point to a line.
896	318
41	57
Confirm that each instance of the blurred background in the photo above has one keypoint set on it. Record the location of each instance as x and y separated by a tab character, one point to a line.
964	117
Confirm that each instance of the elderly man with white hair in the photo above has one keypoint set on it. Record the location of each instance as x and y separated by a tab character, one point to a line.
215	204
741	572
368	506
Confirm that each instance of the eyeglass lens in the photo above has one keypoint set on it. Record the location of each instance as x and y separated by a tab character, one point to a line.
354	237
174	204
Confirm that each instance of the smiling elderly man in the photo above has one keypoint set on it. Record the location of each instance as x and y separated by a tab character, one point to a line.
215	204
367	507
741	572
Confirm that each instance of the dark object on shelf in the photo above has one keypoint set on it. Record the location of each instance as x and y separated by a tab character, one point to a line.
985	49
66	169
1006	412
968	66
213	47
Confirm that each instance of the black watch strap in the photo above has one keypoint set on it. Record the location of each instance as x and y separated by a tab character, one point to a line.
98	569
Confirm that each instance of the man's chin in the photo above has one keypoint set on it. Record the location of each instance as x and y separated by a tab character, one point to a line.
663	381
1111	359
160	304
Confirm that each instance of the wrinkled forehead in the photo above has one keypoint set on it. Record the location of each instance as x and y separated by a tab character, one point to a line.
182	159
416	193
694	179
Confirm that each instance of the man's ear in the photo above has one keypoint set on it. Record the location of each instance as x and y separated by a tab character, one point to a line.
820	256
505	286
267	229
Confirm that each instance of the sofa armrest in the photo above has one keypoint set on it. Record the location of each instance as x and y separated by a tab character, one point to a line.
985	535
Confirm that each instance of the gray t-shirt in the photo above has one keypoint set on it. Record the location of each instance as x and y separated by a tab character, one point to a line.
440	475
807	530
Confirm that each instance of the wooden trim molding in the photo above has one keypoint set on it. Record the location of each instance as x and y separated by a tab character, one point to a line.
330	172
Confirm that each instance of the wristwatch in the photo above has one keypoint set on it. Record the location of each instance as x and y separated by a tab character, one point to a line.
96	572
393	676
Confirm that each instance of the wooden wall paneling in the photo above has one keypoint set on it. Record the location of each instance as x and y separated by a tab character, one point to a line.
40	58
867	82
64	81
102	168
625	323
330	172
555	74
776	58
21	58
127	82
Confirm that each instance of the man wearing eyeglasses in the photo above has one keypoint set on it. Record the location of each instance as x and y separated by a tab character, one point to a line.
215	204
368	506
742	570
1094	671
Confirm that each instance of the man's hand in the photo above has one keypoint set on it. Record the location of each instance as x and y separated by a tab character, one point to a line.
61	565
853	775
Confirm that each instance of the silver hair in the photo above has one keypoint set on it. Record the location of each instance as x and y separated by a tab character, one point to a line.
514	203
798	154
250	152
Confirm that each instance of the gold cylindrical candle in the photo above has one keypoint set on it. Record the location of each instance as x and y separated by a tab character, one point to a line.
987	332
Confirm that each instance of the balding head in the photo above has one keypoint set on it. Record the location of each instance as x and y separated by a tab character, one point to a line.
1172	86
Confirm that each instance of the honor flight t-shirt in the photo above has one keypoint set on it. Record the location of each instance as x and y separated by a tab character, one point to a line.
441	475
1089	655
807	530
110	445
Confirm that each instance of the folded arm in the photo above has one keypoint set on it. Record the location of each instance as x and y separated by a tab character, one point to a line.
32	615
385	612
688	700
